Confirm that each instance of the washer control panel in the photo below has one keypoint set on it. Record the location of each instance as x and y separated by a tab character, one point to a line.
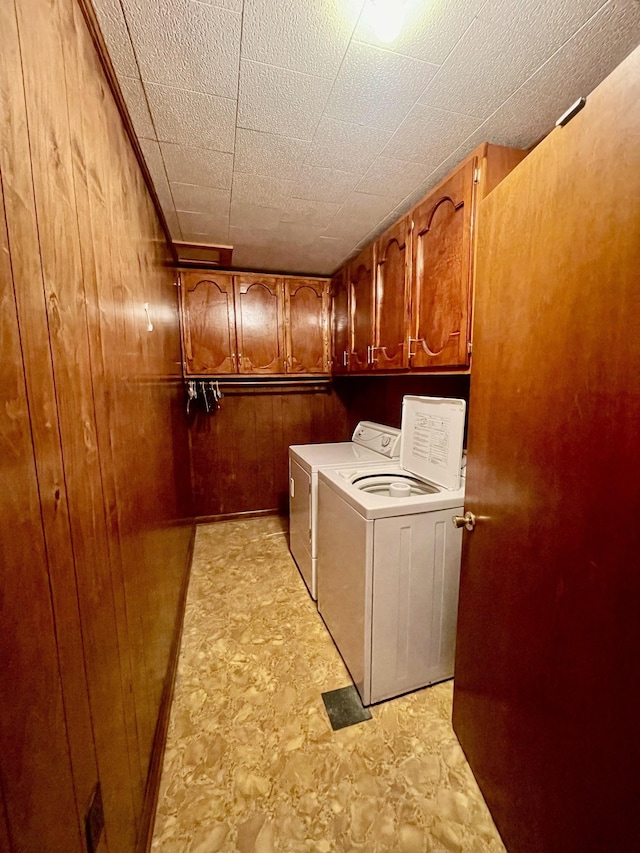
383	439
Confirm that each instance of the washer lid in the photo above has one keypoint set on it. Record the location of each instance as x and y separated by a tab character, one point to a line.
431	439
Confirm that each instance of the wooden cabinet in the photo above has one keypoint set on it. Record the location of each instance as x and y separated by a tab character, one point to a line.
410	293
306	311
361	309
340	330
209	322
392	278
259	324
250	324
441	265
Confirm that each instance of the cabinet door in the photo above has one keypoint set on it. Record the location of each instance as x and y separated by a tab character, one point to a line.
259	323
392	298
361	309
340	322
208	322
441	272
307	325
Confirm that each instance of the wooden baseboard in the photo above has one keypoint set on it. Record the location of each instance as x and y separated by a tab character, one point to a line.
152	788
229	516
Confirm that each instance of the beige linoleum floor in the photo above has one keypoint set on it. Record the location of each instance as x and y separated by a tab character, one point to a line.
252	763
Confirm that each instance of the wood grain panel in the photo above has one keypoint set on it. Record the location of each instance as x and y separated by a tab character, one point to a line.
34	333
240	453
105	402
209	323
442	270
361	308
392	282
379	398
53	178
548	628
306	325
33	733
259	323
340	343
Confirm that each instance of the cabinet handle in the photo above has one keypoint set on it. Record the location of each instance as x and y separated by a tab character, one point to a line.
345	358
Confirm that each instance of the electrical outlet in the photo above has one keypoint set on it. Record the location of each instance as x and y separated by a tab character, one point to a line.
94	820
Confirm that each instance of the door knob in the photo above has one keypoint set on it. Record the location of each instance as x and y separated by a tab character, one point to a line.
468	520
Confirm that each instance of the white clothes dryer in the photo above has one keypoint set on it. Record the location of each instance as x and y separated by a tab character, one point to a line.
370	443
389	555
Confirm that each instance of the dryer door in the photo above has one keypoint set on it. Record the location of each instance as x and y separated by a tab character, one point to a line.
300	522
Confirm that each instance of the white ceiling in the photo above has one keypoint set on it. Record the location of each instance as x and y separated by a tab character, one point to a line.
286	129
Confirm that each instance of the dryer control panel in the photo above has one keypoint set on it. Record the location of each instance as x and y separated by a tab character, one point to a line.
383	439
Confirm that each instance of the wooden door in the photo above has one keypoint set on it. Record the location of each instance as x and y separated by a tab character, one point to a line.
442	272
259	323
340	322
546	701
208	322
307	325
392	297
361	309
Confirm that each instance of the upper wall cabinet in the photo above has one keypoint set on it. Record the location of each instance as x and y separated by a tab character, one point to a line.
414	285
259	324
441	267
361	310
251	324
209	333
392	278
306	311
340	335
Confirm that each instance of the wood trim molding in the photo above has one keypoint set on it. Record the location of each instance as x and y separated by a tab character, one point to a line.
152	788
93	25
230	516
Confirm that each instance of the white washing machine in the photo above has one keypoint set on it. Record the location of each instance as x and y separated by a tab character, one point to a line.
389	555
370	443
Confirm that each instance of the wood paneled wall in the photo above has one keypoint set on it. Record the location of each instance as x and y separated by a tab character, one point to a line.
240	453
379	398
94	485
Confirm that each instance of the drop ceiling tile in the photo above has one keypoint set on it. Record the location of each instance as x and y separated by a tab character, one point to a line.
393	178
197	166
590	55
250	257
245	216
202	228
367	207
299	35
232	5
275	100
192	118
547	22
155	165
185	44
297	233
319	184
256	189
137	105
377	87
523	119
246	236
429	134
171	218
346	146
269	155
430	30
210	200
487	66
350	230
114	30
302	210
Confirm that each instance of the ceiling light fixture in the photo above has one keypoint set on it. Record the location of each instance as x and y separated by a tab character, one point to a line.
387	18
